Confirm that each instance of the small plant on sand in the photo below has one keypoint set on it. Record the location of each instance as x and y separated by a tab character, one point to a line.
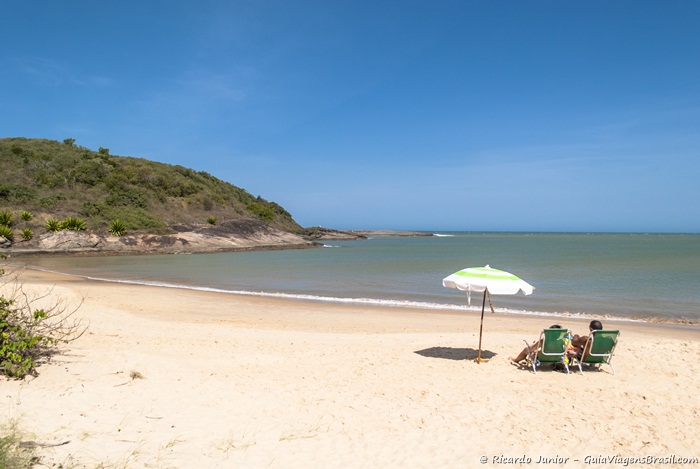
117	228
31	327
6	232
211	220
26	216
14	454
53	225
27	234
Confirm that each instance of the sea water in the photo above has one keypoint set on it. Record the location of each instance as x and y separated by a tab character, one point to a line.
649	277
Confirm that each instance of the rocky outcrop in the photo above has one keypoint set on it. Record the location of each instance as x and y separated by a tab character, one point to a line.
327	234
234	235
238	235
372	233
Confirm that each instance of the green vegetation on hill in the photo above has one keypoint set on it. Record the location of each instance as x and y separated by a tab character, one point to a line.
47	180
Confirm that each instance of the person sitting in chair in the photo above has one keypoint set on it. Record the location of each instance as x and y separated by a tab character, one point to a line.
534	347
579	341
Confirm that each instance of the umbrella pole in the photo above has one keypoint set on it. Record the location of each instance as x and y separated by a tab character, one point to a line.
481	327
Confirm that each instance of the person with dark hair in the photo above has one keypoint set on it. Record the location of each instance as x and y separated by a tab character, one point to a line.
534	347
579	341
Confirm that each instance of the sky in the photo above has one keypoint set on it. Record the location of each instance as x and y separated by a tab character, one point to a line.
434	115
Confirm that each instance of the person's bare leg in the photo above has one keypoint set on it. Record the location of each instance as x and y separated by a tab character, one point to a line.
521	356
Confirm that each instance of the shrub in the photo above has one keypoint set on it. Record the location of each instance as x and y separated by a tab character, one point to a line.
261	211
89	172
73	224
53	225
17	193
31	334
6	232
27	234
52	201
117	228
17	339
211	220
6	218
26	216
127	198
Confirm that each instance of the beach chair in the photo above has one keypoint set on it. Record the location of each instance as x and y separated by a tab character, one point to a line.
599	349
552	349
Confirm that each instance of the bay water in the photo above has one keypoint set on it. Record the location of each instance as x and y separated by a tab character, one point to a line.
647	277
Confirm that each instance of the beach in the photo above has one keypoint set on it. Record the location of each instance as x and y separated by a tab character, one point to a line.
179	378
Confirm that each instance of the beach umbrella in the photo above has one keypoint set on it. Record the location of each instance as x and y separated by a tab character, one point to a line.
487	280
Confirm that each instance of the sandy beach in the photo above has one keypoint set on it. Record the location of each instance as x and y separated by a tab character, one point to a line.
174	378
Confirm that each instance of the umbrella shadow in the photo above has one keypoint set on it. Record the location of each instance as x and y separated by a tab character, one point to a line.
454	353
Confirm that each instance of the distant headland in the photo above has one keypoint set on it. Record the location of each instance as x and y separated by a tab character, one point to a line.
58	198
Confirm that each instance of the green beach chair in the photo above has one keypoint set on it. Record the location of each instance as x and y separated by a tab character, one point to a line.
599	349
552	349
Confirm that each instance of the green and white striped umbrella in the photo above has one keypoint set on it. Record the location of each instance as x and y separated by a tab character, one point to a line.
489	281
478	279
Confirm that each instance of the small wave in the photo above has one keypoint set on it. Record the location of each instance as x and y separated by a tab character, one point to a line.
393	303
421	305
410	304
443	235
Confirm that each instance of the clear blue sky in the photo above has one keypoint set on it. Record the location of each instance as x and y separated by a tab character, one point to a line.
432	115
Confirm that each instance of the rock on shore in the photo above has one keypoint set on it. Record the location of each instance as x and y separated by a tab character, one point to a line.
238	235
234	235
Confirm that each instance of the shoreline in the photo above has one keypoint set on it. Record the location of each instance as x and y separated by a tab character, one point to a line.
185	378
369	277
36	276
397	304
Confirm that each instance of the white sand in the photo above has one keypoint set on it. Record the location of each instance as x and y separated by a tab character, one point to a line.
234	381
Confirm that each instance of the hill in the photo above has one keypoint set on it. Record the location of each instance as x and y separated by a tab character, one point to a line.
56	180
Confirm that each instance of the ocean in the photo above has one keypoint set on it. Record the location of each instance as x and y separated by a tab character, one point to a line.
637	277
